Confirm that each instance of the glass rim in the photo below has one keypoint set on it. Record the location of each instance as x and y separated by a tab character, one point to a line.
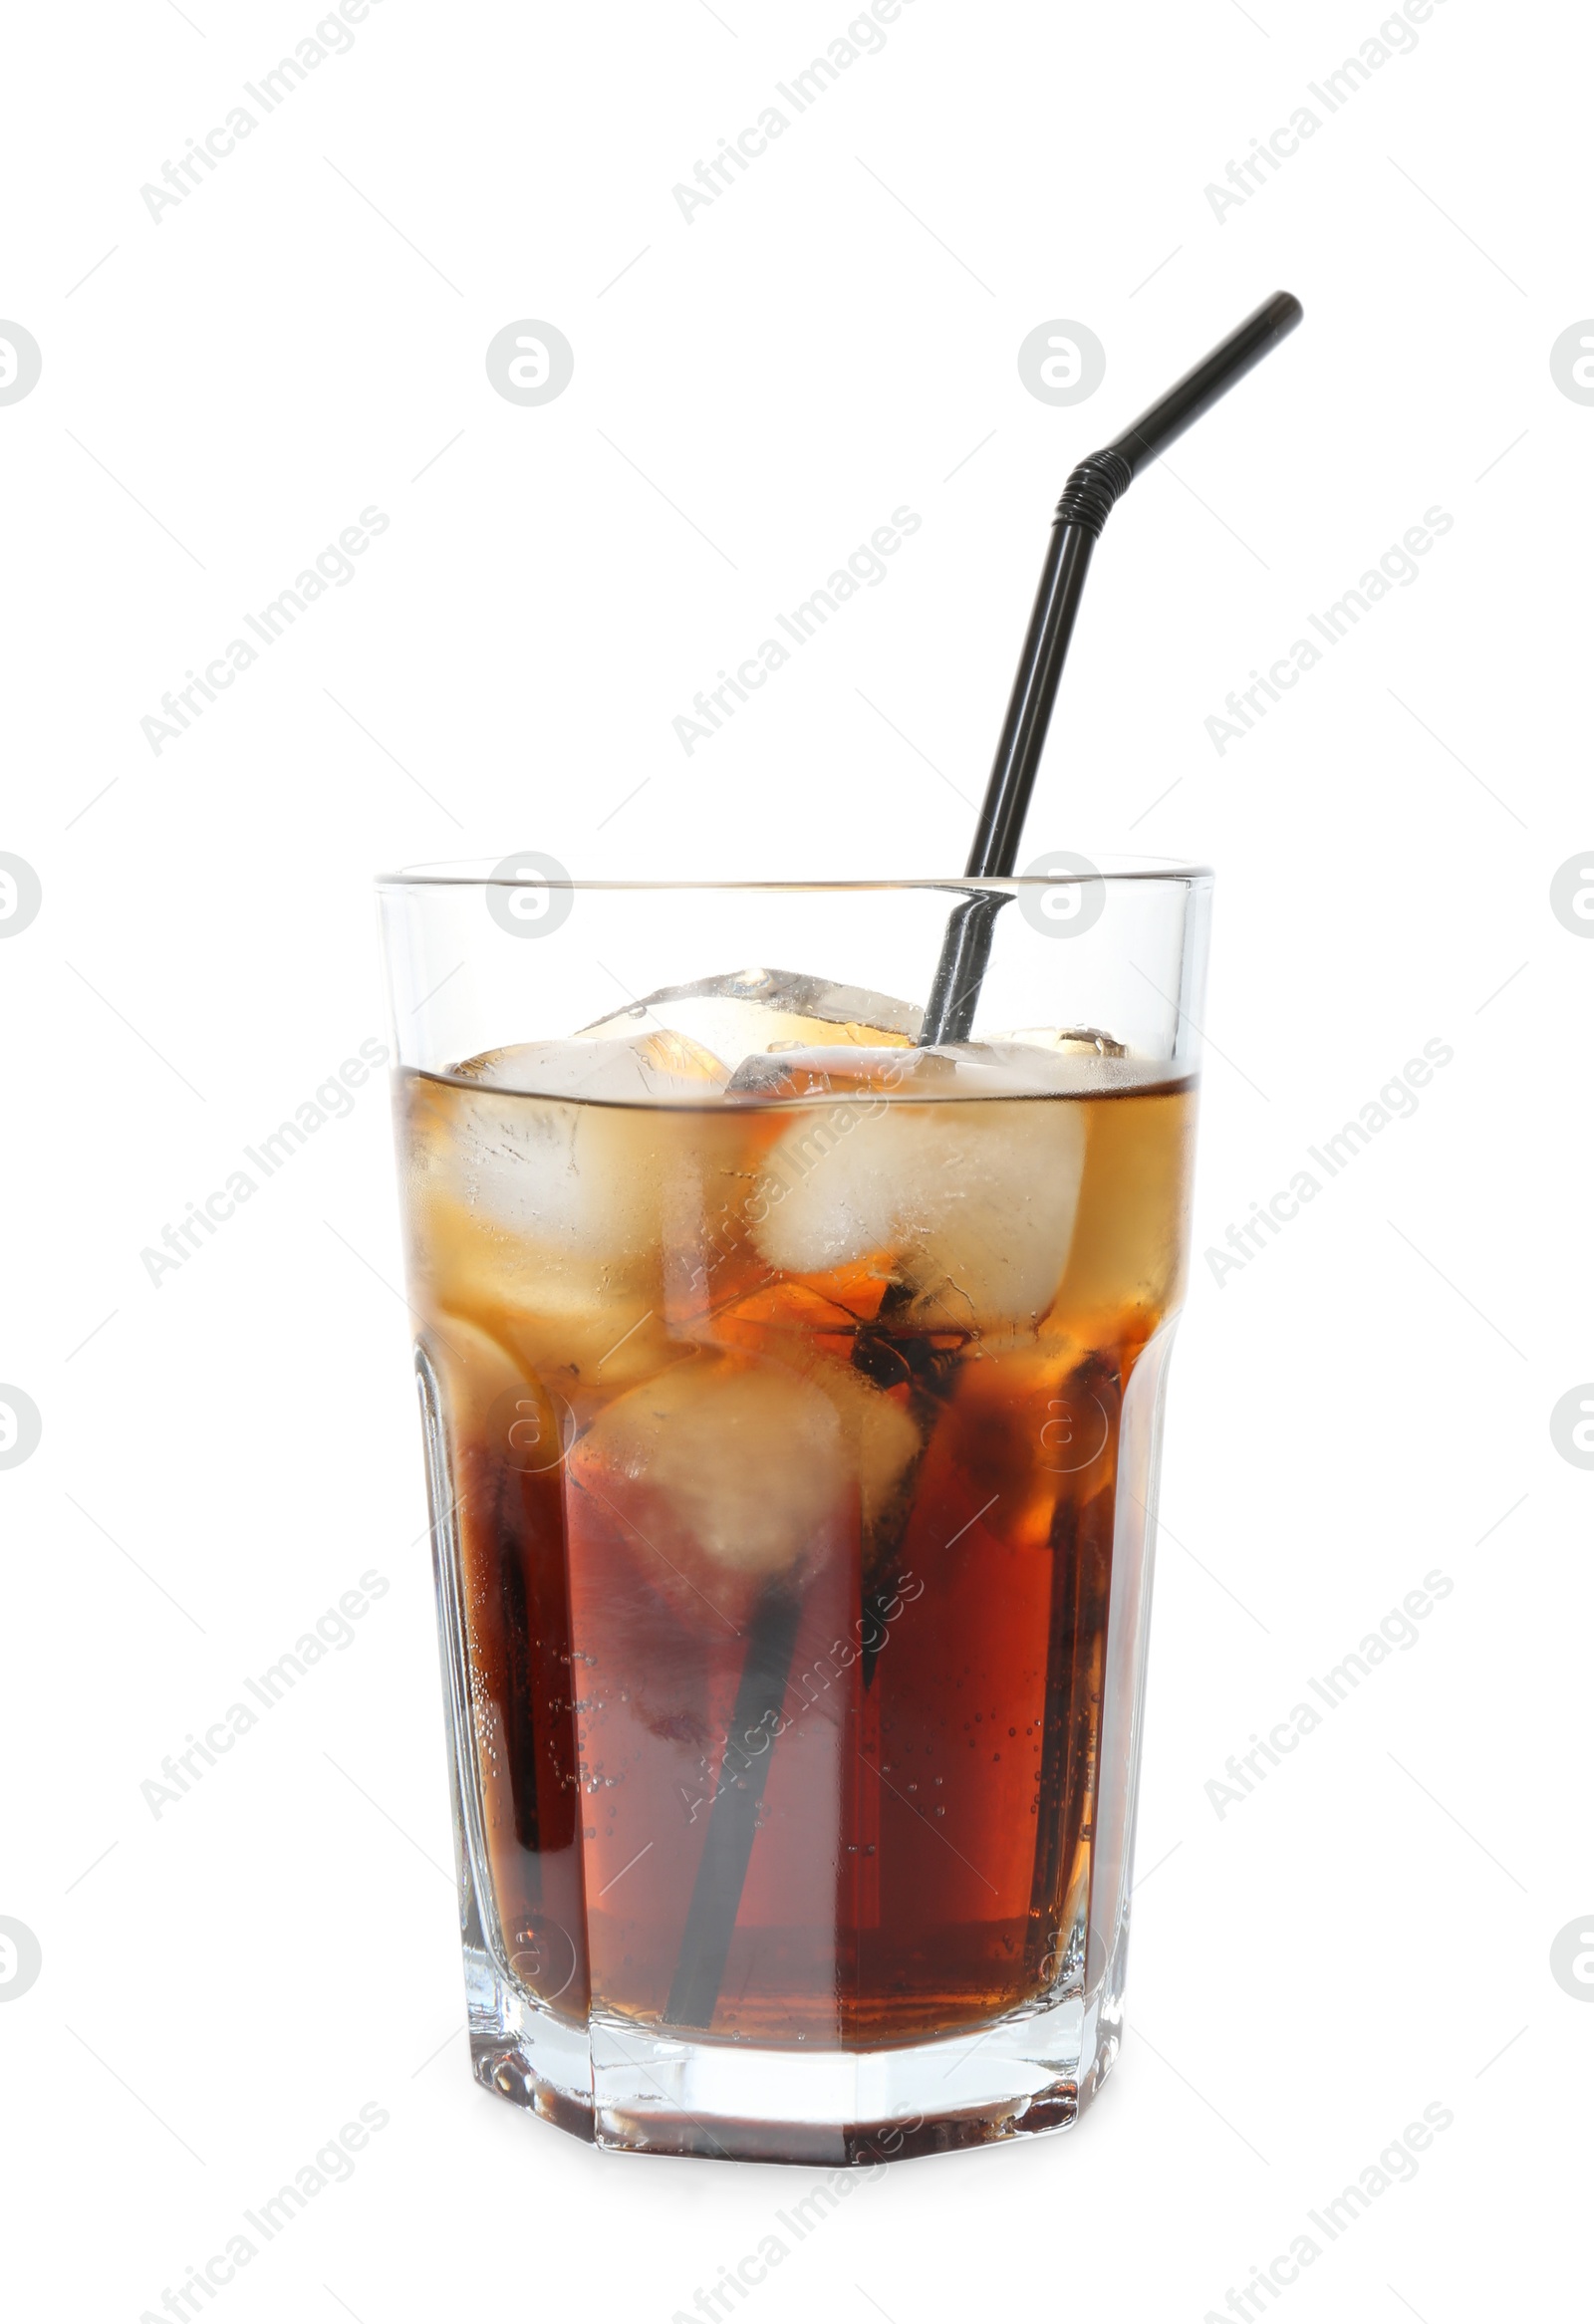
476	871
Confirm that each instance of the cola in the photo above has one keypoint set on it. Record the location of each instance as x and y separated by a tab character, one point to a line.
789	1392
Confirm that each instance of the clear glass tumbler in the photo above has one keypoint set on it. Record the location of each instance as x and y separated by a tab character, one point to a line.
791	1398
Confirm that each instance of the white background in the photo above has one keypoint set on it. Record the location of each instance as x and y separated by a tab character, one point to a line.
302	337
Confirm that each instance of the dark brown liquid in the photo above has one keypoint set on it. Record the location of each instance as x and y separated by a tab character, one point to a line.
654	1428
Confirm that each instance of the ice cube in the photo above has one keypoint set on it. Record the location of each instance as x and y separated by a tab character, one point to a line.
541	1220
501	1415
797	1069
972	1207
561	1174
990	1209
504	1141
476	1370
729	1471
793	1326
635	1065
1078	1041
754	1011
1069	1067
1017	1065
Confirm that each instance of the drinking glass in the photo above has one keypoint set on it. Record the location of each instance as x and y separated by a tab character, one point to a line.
791	1397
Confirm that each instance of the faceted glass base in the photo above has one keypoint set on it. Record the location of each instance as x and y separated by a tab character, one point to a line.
640	2091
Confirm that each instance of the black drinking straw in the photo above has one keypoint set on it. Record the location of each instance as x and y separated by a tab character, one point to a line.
1086	499
733	1818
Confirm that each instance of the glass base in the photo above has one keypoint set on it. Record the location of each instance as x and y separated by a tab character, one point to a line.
644	2091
